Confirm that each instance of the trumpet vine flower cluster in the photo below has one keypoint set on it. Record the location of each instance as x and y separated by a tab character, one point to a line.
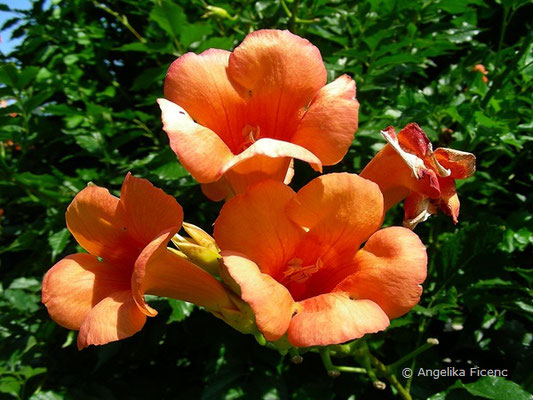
306	268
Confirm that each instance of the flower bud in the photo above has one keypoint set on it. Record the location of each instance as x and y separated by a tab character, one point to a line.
218	12
200	248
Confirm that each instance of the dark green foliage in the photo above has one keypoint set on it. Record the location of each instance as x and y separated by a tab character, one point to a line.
83	85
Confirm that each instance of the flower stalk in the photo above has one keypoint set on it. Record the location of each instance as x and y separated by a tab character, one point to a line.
429	343
370	364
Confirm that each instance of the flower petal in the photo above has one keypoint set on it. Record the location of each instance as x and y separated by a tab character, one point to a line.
265	159
333	318
396	178
415	141
341	211
218	190
273	148
256	169
118	229
198	148
248	172
163	273
281	73
115	317
461	164
449	201
200	85
328	126
254	223
270	301
97	220
76	284
149	210
390	269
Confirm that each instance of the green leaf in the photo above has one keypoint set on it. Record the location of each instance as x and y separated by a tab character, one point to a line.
164	47
225	43
22	300
58	242
492	283
486	121
10	385
453	6
29	372
71	59
91	143
33	102
180	310
136	46
9	75
149	77
37	180
22	242
194	33
70	339
527	274
47	395
395	59
30	284
495	388
171	171
528	308
170	17
27	75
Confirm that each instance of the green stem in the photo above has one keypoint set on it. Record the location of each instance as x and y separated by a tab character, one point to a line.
122	19
296	358
353	370
363	357
375	368
387	373
293	18
502	33
344	350
430	343
145	128
525	66
423	326
25	128
286	9
178	46
326	359
306	21
421	330
506	74
325	355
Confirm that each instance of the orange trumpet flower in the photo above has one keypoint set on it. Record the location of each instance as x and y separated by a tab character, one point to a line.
235	118
101	293
482	70
295	258
408	168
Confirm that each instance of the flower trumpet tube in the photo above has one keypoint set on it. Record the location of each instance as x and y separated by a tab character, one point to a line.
101	293
408	168
236	118
297	260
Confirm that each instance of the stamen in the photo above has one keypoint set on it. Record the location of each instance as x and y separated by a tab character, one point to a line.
297	273
251	135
